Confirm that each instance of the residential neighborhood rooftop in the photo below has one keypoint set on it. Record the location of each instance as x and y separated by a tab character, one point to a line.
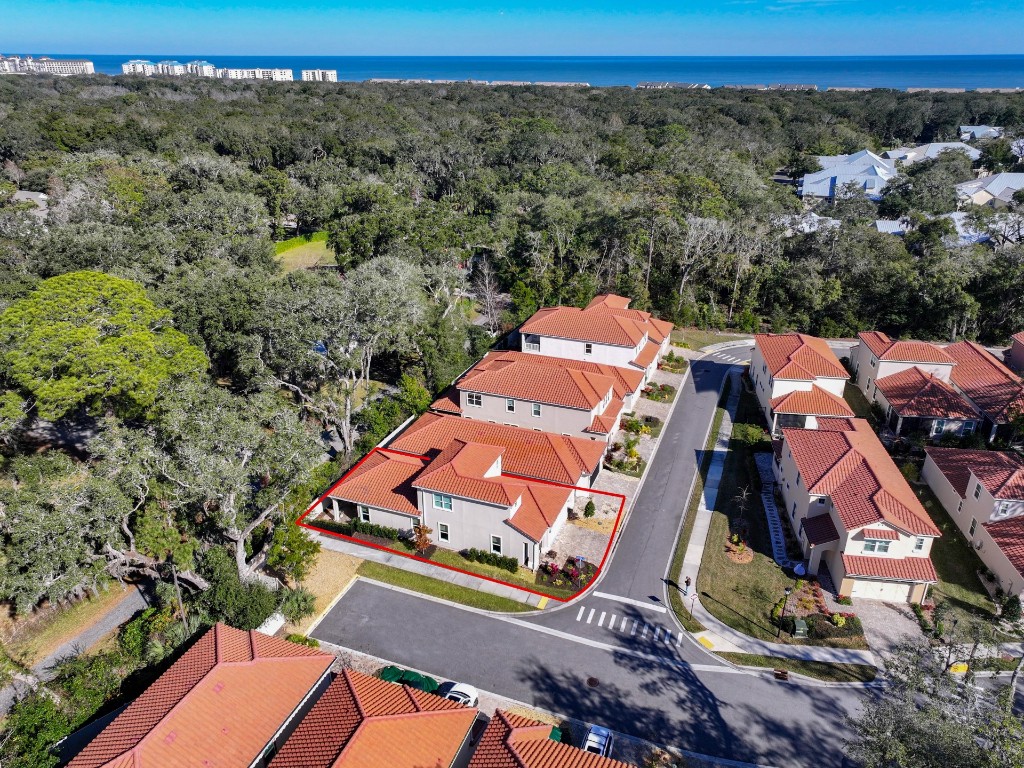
914	392
514	741
797	356
885	348
991	386
521	378
606	320
813	402
1001	472
384	479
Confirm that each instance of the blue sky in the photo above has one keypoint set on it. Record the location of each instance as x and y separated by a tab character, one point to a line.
514	27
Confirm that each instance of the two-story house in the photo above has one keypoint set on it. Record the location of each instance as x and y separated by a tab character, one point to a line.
854	513
462	494
606	331
797	379
539	392
877	356
983	491
995	391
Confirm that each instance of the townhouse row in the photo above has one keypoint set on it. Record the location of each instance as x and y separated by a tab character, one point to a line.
240	699
500	459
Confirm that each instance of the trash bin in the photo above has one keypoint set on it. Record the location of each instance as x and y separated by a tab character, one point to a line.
800	628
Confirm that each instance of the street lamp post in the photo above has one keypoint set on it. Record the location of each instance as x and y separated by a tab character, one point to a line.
785	600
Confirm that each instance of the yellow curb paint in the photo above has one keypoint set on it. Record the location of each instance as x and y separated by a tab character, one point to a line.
958	668
706	643
543	602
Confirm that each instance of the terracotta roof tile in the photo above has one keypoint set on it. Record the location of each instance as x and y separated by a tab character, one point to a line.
1018	337
626	381
363	722
449	402
523	379
884	534
915	393
813	402
989	384
512	741
540	455
647	355
1001	472
610	301
820	529
606	320
854	470
885	348
607	422
220	703
831	424
384	480
796	356
915	569
1008	535
538	510
465	469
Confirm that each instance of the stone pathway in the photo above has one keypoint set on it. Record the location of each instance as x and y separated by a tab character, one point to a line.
765	469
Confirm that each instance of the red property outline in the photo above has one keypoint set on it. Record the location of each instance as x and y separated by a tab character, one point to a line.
607	550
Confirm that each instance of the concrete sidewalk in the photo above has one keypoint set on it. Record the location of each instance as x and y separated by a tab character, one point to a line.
430	570
720	636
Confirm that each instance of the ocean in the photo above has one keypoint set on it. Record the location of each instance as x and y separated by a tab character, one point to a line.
857	71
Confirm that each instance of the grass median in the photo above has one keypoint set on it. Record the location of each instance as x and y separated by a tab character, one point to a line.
820	670
441	589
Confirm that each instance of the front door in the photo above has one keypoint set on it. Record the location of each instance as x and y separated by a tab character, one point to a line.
526	554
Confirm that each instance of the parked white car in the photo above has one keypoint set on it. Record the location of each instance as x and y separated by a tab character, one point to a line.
464	694
599	741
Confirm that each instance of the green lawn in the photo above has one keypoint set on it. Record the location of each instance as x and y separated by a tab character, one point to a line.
957	565
304	252
695	338
524	578
441	589
835	673
856	400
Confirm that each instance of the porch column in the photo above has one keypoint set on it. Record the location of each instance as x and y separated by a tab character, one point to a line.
899	425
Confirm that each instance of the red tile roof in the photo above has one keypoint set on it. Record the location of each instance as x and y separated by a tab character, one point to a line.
363	722
989	384
513	741
609	301
647	355
657	330
916	569
540	455
538	509
606	320
608	421
465	469
1008	535
820	529
449	402
1001	472
626	381
219	704
854	470
384	480
885	534
915	393
885	348
523	379
813	402
830	424
798	357
1018	337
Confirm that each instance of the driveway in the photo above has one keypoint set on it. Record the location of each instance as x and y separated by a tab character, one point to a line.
886	625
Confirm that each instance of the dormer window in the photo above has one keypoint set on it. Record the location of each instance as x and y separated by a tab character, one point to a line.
588	348
510	405
876	546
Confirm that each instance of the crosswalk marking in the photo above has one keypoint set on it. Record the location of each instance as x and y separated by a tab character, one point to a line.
611	622
600	621
579	615
657	633
644	633
590	616
631	634
668	636
679	640
623	627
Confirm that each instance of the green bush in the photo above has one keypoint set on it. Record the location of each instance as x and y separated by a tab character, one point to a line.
750	435
296	604
910	471
380	531
302	640
509	564
590	509
242	605
1011	608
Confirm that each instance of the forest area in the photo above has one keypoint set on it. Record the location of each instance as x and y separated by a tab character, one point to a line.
171	398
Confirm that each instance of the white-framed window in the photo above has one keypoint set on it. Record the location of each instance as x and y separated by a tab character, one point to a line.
588	348
974	526
531	342
977	490
510	405
874	545
536	409
938	426
442	501
496	544
919	544
873	361
475	399
969	427
364	513
442	532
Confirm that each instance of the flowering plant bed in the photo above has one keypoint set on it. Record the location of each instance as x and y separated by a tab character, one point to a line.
568	576
673	363
659	393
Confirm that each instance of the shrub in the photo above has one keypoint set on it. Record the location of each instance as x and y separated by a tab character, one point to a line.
296	604
509	564
590	509
844	600
839	620
1011	608
312	642
244	605
380	531
910	472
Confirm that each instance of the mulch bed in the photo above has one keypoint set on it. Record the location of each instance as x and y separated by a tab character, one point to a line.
586	573
380	541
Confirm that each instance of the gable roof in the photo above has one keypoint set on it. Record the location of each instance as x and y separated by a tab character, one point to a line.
523	379
854	470
1001	472
799	357
219	704
646	355
812	402
915	393
1008	535
514	741
884	348
540	455
362	721
991	386
998	185
460	469
605	320
383	479
625	381
916	569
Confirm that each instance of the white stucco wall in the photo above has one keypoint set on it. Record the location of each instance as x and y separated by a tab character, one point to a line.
575	350
553	418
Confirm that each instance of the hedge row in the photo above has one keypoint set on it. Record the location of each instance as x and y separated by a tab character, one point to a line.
358	526
509	564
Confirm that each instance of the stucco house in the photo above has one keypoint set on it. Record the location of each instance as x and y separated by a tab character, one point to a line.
916	402
569	397
1015	354
787	363
995	391
983	491
462	494
853	512
865	170
876	356
606	331
995	191
975	132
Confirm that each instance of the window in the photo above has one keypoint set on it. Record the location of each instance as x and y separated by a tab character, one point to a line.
821	499
792	514
510	405
442	501
588	348
475	399
977	490
496	544
442	532
873	361
919	544
364	514
536	409
974	527
868	387
968	427
531	342
938	426
871	545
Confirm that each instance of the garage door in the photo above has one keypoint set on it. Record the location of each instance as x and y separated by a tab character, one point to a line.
891	591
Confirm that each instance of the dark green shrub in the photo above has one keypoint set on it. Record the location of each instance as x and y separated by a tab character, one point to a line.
1011	608
590	509
509	564
296	604
302	640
